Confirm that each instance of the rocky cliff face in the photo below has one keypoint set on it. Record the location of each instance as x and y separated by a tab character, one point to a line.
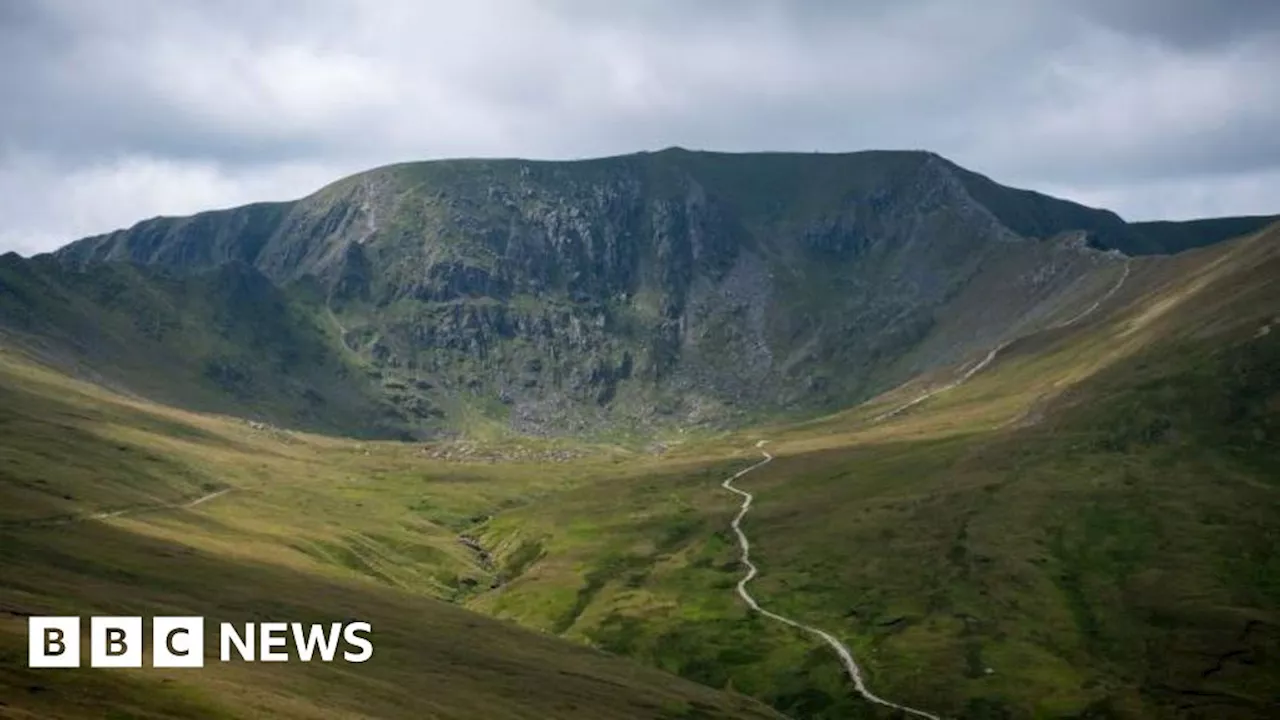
670	287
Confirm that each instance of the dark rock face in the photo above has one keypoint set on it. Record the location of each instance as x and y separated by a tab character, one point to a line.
204	240
664	287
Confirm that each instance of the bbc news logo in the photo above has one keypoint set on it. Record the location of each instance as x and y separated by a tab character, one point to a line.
178	642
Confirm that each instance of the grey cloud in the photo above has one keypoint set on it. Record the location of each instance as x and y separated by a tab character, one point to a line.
1108	100
1189	24
77	76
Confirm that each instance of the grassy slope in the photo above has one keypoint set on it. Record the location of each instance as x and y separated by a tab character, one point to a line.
314	529
222	340
1089	519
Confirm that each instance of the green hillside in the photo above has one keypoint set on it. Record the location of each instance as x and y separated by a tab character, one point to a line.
311	530
221	340
1087	518
488	406
1082	530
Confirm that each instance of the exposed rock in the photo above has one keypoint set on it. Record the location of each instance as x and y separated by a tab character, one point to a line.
649	290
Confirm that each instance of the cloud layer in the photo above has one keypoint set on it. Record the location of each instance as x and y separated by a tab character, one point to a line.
117	111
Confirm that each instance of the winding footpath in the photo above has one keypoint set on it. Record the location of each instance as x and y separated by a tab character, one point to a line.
846	657
977	368
107	515
984	362
1098	303
158	506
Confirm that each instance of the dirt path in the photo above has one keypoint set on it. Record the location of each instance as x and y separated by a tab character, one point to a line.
1098	303
69	519
984	362
846	657
977	368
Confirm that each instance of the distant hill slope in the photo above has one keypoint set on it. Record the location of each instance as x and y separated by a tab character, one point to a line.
655	289
222	339
1033	214
1174	237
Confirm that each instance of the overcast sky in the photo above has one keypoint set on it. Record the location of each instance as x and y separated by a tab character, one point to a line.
111	112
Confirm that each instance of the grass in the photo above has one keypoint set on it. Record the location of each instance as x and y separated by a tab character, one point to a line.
314	529
1085	529
226	340
1079	532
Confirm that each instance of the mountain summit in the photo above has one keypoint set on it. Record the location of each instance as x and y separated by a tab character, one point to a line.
674	287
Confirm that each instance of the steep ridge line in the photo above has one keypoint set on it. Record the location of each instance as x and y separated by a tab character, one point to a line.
996	351
846	657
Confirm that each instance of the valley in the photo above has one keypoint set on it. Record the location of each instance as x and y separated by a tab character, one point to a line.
513	415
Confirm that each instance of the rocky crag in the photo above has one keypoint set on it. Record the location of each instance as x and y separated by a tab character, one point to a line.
622	294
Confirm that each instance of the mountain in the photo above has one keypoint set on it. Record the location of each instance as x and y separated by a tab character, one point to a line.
554	297
1033	214
1083	528
1024	460
1173	237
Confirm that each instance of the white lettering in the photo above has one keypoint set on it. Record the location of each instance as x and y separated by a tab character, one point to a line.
352	638
230	637
316	638
272	636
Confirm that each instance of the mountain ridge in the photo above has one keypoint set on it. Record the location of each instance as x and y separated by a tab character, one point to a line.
1058	499
1140	235
558	296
